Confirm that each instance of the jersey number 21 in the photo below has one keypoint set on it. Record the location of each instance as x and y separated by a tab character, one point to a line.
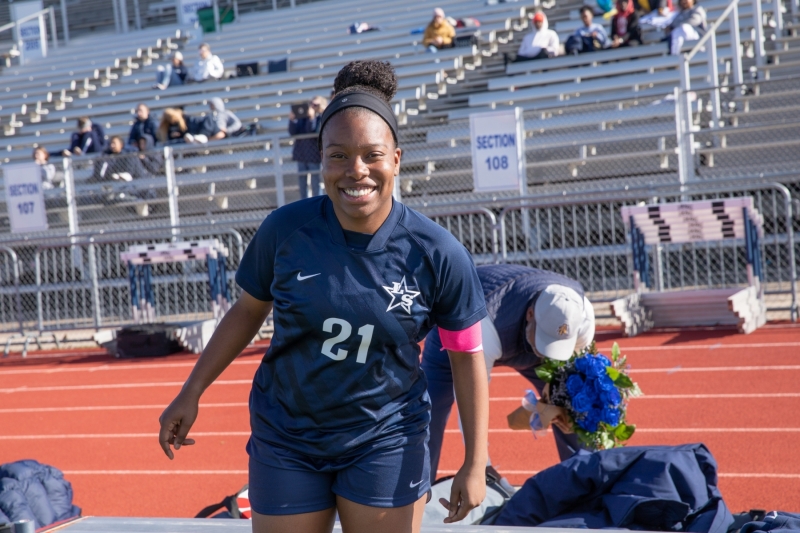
327	347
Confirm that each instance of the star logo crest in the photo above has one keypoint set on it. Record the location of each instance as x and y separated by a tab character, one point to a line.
401	296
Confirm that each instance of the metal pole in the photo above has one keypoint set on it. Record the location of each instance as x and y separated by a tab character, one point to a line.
123	15
69	189
136	15
96	314
20	44
64	21
787	201
759	27
737	46
236	10
292	4
713	72
42	34
39	311
215	7
277	164
777	16
679	133
274	5
52	15
115	9
172	189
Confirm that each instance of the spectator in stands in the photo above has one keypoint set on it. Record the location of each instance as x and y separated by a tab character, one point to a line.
662	8
173	73
589	38
439	33
152	160
173	126
688	25
114	165
540	43
306	151
625	30
145	126
42	158
227	122
209	66
89	139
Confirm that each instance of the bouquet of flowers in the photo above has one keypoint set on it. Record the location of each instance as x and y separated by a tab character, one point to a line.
594	391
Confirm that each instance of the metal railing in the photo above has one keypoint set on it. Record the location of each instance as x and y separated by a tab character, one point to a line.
40	16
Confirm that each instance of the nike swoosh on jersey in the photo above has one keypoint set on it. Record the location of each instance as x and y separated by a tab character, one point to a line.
412	485
301	278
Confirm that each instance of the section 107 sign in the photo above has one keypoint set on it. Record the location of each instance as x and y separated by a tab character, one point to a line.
498	151
24	197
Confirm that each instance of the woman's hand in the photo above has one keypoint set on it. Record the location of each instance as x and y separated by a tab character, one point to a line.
557	416
467	492
176	421
519	419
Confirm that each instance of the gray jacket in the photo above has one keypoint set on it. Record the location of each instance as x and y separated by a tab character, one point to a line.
695	17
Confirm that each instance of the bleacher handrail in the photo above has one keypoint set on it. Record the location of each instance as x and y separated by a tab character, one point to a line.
50	12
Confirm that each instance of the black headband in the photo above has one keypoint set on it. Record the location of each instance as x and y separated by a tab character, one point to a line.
360	99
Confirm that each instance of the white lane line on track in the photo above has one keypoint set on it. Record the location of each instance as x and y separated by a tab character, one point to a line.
498	399
661	430
119	386
721	347
677	397
153	472
677	370
721	474
154	435
106	367
109	408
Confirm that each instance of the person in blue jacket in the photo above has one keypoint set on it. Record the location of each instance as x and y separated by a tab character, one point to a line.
339	408
145	127
305	151
89	139
532	314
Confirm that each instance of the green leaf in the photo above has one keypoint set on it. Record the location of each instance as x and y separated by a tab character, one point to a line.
544	373
613	373
606	440
623	382
615	352
623	431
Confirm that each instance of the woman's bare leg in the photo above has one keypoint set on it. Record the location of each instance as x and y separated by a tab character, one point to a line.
357	518
316	522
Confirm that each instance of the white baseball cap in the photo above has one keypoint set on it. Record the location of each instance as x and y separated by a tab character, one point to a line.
558	313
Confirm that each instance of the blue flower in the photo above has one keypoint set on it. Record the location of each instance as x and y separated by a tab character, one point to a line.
574	384
592	365
590	421
605	383
581	402
591	389
611	397
610	416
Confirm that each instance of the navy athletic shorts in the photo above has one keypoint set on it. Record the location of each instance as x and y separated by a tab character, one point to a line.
284	482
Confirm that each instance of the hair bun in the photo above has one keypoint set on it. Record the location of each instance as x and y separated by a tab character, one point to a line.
376	77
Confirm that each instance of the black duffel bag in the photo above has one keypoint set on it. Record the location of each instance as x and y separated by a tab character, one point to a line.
147	340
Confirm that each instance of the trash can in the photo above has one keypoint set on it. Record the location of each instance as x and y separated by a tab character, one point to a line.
205	17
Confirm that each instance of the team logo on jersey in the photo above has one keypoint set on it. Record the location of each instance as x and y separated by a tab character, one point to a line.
401	296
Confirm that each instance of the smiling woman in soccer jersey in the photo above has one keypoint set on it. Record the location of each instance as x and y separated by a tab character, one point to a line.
339	409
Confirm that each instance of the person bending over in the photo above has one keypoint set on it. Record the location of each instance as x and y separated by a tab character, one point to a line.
533	314
688	25
339	410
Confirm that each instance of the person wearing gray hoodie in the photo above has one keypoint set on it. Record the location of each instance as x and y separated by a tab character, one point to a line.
688	25
227	123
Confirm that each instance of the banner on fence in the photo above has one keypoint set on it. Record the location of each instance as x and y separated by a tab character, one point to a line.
187	10
498	150
24	197
32	33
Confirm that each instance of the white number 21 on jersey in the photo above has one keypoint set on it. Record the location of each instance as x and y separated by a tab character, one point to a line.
327	347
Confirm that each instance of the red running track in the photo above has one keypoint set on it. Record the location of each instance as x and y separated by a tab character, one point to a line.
95	418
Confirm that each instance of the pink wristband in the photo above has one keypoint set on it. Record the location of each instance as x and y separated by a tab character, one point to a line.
467	340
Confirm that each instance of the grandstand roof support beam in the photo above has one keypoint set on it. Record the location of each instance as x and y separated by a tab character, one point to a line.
64	21
736	47
758	21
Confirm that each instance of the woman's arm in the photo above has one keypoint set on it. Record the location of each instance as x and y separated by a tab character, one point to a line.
472	396
237	328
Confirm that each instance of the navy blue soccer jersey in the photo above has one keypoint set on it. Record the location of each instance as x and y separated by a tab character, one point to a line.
343	366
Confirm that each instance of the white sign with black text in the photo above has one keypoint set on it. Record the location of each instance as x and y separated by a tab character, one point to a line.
498	151
32	33
24	197
187	10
